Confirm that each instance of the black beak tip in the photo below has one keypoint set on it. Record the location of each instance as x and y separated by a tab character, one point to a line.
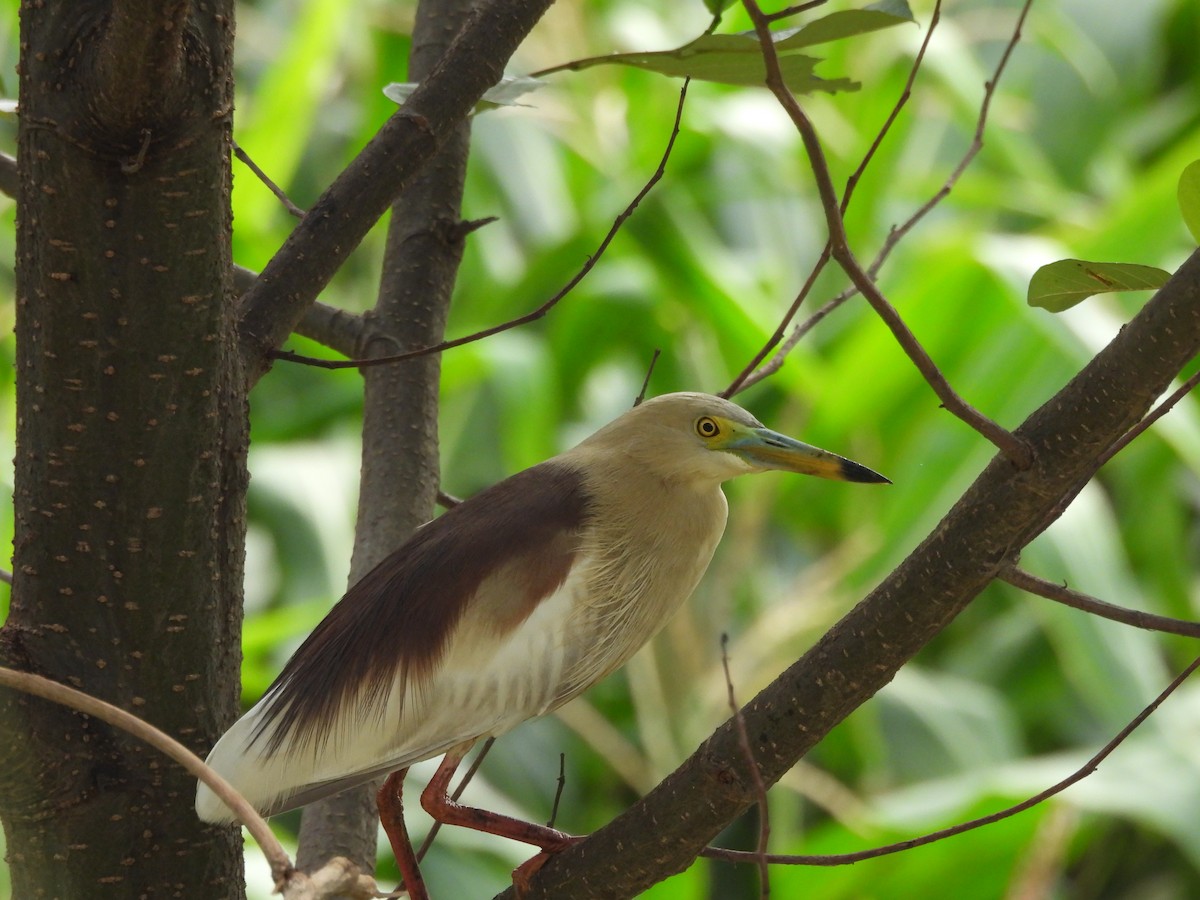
852	471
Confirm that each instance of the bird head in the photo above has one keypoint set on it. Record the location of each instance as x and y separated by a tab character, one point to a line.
701	436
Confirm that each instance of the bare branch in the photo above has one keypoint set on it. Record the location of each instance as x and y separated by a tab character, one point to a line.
528	317
1060	593
329	326
760	787
795	10
1157	413
281	865
265	179
1020	454
754	371
560	784
343	215
842	859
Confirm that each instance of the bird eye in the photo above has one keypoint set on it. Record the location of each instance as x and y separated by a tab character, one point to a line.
707	428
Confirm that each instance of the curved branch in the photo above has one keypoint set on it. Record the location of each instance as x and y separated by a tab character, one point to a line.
532	315
341	217
1060	593
997	516
844	859
1016	450
27	682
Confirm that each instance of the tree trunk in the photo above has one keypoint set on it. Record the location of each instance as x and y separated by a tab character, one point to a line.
131	443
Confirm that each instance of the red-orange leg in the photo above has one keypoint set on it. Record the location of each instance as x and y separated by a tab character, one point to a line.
391	815
436	801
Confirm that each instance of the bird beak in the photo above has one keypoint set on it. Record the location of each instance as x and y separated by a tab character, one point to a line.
766	449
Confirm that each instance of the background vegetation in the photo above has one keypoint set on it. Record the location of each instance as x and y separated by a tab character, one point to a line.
1094	120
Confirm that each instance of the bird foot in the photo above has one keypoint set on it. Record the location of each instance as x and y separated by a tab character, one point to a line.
524	873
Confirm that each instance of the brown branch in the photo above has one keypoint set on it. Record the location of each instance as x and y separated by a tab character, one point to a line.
993	520
560	785
795	10
754	371
842	859
6	576
27	682
1120	444
343	215
275	189
1060	593
760	787
646	381
1018	453
329	326
528	317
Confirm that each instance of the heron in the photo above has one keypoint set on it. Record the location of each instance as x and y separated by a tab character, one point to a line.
500	610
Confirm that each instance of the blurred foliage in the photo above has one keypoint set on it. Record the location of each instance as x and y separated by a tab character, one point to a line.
1093	123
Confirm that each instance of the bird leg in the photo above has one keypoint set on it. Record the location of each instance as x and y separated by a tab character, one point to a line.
437	802
391	816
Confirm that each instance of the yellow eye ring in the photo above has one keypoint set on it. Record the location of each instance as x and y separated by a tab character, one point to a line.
707	427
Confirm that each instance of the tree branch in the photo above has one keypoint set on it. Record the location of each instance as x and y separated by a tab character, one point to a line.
1018	452
1060	593
994	519
534	314
844	859
340	218
752	373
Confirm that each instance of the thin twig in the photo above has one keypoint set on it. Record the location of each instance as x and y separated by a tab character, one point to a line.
1018	451
795	10
1149	419
265	179
281	865
1087	769
558	790
528	317
1060	593
458	792
760	787
6	576
754	371
447	501
1118	445
646	381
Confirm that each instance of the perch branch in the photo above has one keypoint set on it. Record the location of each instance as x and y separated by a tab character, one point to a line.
842	859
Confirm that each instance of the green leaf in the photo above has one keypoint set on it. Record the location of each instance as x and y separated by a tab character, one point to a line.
1060	285
716	7
1189	198
843	24
737	58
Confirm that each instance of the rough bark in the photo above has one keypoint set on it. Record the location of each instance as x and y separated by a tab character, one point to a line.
130	467
399	480
1001	512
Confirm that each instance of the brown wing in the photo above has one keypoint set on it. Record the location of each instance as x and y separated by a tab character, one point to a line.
398	619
